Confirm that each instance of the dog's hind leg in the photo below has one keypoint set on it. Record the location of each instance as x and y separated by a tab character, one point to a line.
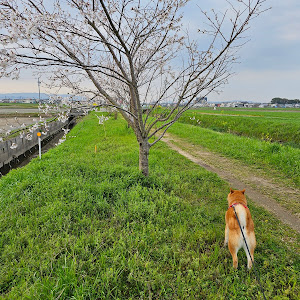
251	248
226	235
233	250
248	256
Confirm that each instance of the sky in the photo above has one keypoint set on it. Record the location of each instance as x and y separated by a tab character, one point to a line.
269	64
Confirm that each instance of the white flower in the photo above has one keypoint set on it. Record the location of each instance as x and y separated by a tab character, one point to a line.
102	119
65	130
3	64
60	141
13	146
62	118
28	137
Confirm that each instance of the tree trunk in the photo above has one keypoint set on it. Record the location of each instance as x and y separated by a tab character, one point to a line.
143	157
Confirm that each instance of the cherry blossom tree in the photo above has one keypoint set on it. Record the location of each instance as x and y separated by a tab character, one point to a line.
132	53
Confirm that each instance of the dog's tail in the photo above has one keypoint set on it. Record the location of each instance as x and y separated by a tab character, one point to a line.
242	215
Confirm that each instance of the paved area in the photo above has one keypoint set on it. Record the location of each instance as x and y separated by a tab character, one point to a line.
14	123
13	110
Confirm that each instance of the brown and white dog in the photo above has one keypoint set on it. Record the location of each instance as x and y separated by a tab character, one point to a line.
233	235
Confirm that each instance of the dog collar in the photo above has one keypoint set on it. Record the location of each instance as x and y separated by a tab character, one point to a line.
234	204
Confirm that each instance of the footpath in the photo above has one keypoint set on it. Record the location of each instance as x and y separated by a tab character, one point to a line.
259	189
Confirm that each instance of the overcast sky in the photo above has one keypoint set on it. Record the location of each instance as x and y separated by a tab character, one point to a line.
269	63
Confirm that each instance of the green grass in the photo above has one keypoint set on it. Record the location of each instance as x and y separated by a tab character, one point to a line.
261	154
282	127
84	225
260	112
19	105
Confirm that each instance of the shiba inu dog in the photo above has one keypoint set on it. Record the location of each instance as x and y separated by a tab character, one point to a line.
233	234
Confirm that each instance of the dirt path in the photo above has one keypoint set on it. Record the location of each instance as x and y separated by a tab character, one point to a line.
259	189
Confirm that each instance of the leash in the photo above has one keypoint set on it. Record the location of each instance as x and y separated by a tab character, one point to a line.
256	274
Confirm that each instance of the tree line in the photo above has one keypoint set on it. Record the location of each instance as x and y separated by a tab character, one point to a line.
284	101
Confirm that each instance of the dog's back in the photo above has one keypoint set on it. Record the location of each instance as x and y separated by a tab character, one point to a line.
233	234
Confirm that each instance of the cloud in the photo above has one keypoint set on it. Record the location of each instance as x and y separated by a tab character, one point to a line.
291	32
8	85
260	86
274	39
269	62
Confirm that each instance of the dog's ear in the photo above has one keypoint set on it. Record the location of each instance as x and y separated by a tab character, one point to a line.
243	191
231	191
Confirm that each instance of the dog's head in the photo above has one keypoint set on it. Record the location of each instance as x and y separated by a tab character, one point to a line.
236	196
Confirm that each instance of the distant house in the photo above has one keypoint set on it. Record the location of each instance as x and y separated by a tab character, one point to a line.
263	105
29	101
240	104
251	105
289	105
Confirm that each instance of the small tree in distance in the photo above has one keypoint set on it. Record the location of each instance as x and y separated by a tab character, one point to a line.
129	52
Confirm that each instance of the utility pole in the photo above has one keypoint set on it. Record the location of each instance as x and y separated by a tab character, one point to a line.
39	85
40	144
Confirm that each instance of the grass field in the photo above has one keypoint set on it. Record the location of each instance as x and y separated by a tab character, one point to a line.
86	225
260	154
268	112
19	105
272	126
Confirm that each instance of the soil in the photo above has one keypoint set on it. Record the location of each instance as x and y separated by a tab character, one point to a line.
264	190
